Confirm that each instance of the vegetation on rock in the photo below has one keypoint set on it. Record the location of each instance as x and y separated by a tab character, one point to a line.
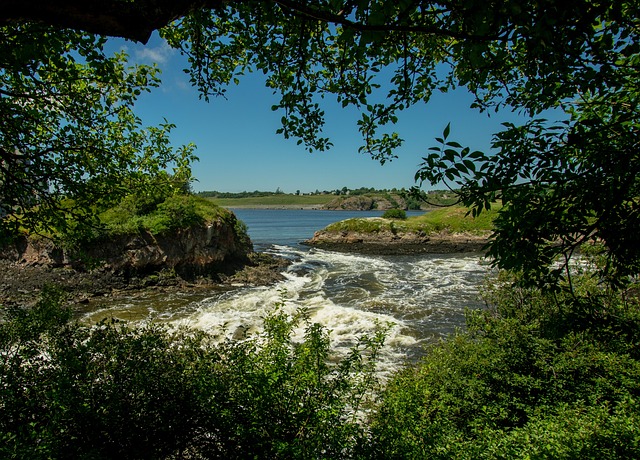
449	220
394	214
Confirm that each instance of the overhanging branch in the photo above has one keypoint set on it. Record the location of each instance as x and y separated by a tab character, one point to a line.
135	20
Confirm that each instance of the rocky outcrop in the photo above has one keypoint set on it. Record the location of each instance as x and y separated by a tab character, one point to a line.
195	250
212	253
387	242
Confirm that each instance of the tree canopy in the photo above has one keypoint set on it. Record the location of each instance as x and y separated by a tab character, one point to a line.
562	182
70	141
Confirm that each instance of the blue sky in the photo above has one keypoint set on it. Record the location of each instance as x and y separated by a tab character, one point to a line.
239	149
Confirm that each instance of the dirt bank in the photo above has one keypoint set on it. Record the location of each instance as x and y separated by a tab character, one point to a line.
20	283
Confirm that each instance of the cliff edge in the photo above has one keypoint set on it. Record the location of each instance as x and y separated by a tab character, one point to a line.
210	253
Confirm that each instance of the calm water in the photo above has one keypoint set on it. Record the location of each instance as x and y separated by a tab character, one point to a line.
422	298
287	227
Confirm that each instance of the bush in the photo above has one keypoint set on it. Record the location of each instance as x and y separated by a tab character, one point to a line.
173	212
395	214
115	391
535	376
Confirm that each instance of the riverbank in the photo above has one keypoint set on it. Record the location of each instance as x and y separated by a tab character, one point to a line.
22	283
398	243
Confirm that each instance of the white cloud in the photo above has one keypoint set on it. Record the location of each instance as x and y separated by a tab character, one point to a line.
159	54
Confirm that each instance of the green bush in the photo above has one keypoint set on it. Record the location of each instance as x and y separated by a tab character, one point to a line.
535	376
395	214
116	391
173	212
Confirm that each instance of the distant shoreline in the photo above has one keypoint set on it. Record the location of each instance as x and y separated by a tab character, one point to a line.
277	207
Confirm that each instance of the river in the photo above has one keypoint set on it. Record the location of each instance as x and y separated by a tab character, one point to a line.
422	298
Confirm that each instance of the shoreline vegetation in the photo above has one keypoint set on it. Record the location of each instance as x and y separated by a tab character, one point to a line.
445	230
173	242
142	245
362	199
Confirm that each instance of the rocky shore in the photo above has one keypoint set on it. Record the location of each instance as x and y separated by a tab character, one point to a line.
197	257
397	243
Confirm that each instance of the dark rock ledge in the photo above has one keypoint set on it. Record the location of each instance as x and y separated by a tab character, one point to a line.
389	243
195	258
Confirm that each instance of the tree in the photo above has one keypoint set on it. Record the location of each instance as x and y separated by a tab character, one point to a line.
561	184
69	140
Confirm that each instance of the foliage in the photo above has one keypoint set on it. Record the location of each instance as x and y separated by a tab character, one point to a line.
160	215
70	143
112	390
394	214
562	182
454	219
366	225
550	371
566	181
458	219
535	376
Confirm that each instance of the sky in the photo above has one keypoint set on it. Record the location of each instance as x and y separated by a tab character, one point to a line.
239	149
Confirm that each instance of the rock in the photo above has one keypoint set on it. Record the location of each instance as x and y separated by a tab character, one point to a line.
208	254
353	203
191	251
387	242
366	203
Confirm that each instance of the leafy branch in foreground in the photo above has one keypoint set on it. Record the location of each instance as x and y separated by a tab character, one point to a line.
562	183
67	107
536	375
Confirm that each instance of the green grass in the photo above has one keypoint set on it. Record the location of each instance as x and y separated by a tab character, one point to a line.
273	201
174	212
453	220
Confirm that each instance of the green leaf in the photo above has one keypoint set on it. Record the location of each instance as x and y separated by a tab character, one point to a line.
447	129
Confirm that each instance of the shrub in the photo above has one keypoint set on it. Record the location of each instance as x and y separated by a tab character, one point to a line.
113	390
536	375
174	212
395	214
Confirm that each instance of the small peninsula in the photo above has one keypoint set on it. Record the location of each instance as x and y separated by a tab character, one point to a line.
444	231
182	242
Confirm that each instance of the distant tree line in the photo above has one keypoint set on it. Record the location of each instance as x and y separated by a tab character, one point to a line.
433	197
245	194
340	191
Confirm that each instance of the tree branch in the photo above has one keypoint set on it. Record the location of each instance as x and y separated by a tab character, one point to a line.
134	20
304	9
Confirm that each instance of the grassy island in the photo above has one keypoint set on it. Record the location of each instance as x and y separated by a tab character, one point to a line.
446	230
453	219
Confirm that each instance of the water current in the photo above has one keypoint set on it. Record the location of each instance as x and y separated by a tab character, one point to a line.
422	298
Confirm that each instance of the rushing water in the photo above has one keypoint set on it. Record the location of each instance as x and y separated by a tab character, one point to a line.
422	297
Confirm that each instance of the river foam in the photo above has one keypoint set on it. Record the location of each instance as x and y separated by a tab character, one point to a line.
418	299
